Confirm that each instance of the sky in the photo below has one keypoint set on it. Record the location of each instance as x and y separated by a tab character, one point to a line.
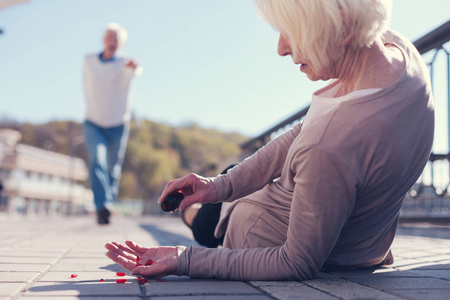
210	62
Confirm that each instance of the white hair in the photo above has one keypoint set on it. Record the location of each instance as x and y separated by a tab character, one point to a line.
121	32
321	28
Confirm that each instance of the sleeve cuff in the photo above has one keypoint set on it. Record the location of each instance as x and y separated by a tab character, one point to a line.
223	187
183	260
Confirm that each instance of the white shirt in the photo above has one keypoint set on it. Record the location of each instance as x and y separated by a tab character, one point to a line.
106	89
323	103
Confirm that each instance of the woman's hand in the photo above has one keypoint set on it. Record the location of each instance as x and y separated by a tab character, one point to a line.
146	262
195	188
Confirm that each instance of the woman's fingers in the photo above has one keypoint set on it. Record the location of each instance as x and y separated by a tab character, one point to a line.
131	251
122	250
124	262
168	189
187	184
136	247
205	192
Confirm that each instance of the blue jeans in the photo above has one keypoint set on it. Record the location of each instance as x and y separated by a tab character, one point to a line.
106	150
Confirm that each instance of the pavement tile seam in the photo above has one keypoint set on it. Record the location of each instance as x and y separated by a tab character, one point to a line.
319	289
264	293
36	279
349	281
227	294
387	292
33	278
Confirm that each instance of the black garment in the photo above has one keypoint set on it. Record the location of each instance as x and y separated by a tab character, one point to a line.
205	222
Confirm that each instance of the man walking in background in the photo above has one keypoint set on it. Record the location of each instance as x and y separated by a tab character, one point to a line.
107	78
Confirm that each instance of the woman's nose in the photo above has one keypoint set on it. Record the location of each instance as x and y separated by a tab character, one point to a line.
283	46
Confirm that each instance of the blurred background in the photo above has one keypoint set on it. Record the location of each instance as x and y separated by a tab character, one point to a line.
213	90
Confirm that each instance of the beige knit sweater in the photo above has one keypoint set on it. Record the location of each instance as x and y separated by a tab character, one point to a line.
340	181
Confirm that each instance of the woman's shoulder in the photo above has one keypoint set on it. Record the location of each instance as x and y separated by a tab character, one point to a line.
416	72
398	39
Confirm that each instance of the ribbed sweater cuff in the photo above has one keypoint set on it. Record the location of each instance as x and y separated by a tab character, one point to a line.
183	260
223	187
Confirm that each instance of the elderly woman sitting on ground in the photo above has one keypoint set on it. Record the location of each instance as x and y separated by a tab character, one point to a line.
327	193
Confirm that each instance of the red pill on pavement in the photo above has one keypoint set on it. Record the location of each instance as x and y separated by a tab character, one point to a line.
149	262
120	274
102	280
121	280
73	276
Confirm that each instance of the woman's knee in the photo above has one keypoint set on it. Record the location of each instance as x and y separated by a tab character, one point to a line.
253	226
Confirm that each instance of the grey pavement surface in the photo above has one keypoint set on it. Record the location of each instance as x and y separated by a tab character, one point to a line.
39	255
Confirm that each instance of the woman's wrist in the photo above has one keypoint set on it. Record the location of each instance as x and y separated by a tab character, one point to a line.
183	260
223	187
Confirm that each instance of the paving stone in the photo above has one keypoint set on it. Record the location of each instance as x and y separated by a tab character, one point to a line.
26	253
107	265
23	267
440	265
18	276
424	294
402	262
214	297
44	247
291	290
87	254
85	260
110	297
26	260
168	288
400	283
442	274
437	257
388	272
108	276
424	266
9	289
84	288
346	289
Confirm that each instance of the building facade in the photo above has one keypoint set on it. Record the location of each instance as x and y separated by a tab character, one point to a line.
37	181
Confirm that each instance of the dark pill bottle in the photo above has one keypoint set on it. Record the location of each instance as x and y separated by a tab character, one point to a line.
172	201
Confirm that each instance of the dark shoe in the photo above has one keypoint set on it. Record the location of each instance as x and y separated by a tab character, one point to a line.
103	216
